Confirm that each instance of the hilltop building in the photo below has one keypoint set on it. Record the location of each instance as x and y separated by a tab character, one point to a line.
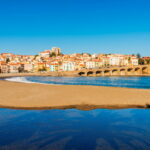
56	50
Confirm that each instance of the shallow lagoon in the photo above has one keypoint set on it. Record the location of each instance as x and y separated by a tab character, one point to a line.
71	129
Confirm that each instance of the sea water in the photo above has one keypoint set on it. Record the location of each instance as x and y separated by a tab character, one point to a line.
71	129
129	82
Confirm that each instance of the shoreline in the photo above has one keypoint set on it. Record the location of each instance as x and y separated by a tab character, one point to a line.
31	96
79	107
8	75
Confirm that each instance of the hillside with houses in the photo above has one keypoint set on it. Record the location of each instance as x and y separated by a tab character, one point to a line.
54	60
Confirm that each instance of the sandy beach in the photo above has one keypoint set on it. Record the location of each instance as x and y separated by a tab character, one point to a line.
43	96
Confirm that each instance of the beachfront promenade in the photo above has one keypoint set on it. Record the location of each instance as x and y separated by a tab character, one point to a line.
104	71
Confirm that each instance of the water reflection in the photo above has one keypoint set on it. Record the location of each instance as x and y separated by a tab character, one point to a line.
75	129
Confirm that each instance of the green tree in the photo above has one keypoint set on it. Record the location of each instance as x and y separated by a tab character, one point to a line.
129	59
141	61
7	60
42	69
60	54
52	54
21	69
138	55
35	56
148	61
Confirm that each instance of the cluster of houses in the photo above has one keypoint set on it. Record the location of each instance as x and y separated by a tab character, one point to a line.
54	60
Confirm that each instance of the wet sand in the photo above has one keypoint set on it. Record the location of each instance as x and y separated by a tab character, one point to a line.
42	96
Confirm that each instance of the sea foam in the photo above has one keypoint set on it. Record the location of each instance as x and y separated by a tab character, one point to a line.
19	79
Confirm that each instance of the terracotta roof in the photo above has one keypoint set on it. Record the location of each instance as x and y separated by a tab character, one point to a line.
146	57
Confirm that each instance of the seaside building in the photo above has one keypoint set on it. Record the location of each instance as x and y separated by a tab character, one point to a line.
13	67
146	60
54	66
80	65
68	66
90	64
105	60
28	67
98	63
3	67
39	66
134	61
115	60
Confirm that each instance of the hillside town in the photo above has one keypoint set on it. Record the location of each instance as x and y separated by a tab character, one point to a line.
54	60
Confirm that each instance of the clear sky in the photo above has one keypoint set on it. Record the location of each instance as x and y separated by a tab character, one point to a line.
94	26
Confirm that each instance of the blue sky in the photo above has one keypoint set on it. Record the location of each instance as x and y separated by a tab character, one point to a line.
94	26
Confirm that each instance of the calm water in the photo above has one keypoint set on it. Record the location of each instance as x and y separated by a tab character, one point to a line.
130	82
71	129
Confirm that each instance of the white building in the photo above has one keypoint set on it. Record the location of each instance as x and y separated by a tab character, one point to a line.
54	66
90	64
28	67
46	53
118	60
68	66
114	61
134	61
94	56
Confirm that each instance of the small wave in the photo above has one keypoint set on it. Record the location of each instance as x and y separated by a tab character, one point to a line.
19	79
25	80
